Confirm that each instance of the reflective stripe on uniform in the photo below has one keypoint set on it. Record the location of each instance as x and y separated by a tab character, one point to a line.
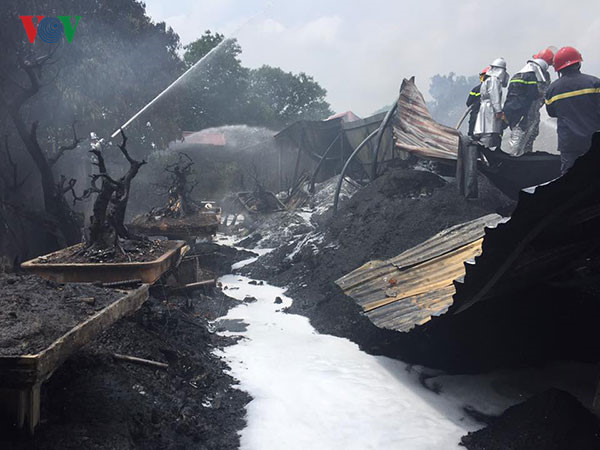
573	94
474	94
523	81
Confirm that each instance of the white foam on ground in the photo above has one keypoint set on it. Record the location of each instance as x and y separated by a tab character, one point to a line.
313	391
245	262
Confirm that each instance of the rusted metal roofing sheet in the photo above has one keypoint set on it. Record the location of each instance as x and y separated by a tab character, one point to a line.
409	289
416	131
551	235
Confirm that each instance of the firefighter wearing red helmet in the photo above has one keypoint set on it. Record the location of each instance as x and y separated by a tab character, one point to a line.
474	100
574	99
547	55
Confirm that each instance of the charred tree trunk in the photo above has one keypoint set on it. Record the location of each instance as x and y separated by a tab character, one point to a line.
180	203
67	226
68	231
107	224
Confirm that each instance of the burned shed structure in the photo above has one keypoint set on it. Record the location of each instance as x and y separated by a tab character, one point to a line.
318	150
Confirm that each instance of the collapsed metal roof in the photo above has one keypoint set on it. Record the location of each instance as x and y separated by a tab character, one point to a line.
416	131
551	233
409	289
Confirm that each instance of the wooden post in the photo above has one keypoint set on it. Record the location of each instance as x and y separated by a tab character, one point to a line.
28	408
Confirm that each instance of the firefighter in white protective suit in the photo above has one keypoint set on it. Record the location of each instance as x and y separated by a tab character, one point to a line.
490	123
524	99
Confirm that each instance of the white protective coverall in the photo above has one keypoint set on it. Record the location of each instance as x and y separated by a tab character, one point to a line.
524	133
488	127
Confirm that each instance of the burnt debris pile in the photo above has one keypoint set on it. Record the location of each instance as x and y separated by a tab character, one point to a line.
552	420
400	209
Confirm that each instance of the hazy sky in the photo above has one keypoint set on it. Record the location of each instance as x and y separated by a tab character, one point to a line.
360	50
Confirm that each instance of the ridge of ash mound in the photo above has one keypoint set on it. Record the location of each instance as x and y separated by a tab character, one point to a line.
551	420
393	213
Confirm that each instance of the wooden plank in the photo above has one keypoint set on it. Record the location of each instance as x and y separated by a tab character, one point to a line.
147	271
65	346
27	370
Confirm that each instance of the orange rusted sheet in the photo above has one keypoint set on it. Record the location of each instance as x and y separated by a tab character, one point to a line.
409	289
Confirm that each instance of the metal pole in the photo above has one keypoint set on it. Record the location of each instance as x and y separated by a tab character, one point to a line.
343	173
384	124
323	158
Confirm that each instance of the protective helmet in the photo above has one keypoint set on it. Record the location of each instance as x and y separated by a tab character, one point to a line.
499	62
484	70
540	62
547	55
565	57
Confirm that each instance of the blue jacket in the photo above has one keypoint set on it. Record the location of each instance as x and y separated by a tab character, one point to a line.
575	100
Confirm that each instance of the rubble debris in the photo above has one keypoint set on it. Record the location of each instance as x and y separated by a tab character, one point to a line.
551	420
35	312
260	201
134	251
280	228
94	401
397	211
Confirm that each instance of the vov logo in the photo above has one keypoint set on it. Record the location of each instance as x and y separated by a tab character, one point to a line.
50	29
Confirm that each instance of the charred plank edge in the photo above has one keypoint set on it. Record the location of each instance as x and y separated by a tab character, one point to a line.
27	370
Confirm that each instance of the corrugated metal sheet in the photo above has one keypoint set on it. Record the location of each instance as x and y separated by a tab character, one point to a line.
551	235
416	131
409	289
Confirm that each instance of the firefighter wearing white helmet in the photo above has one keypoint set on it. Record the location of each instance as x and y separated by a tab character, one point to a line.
524	99
489	123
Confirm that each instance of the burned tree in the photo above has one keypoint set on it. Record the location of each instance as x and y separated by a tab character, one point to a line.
107	222
64	226
180	204
182	217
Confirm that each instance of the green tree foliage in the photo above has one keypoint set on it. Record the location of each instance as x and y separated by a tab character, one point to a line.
213	93
449	94
278	98
224	92
200	47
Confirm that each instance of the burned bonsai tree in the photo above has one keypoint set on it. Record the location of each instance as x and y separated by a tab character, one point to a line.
179	189
182	217
107	231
